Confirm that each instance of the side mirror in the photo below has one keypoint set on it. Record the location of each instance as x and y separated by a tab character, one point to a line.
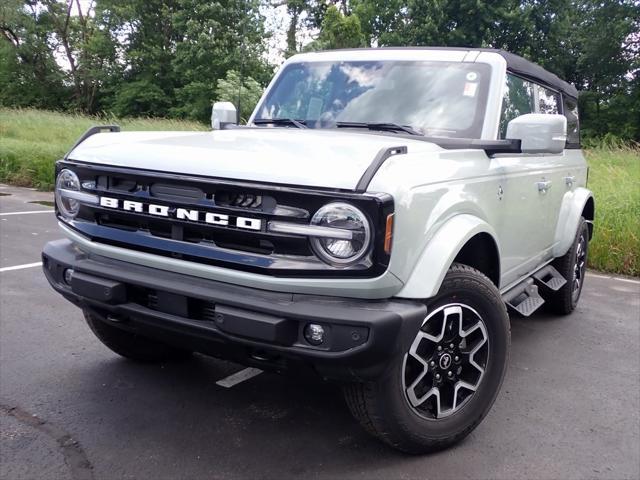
539	132
223	114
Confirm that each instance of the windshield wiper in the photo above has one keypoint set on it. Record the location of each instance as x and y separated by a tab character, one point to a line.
385	127
280	121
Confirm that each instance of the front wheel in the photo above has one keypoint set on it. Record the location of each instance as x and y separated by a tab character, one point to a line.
438	391
131	345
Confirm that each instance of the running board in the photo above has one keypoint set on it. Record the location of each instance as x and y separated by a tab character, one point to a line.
549	278
524	298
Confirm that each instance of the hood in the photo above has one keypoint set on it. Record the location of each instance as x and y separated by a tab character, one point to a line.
303	157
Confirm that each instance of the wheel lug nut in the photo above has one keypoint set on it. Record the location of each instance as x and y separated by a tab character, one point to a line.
432	364
437	376
451	345
449	373
439	348
456	358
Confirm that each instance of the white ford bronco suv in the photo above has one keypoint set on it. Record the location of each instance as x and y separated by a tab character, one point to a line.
373	223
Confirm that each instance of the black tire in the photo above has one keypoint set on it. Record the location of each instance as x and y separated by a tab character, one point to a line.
572	266
130	345
383	407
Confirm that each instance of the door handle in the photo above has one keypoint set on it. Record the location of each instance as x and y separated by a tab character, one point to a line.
569	180
543	186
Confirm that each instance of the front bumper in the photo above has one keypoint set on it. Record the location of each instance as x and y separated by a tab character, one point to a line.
251	326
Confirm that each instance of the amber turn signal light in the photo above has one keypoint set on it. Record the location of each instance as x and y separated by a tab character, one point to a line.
388	234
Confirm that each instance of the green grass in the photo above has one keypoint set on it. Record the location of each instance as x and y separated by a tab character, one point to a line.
614	178
31	141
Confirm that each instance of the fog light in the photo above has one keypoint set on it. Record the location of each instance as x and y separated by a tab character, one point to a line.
314	333
68	275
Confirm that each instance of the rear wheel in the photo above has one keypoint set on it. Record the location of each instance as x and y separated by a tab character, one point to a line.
131	345
438	391
573	267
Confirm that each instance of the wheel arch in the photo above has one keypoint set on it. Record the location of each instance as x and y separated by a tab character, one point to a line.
589	214
488	262
575	205
463	239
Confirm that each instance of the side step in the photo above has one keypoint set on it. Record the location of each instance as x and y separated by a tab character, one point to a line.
549	278
524	298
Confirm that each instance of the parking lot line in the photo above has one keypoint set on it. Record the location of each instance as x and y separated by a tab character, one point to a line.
26	213
20	267
239	377
612	277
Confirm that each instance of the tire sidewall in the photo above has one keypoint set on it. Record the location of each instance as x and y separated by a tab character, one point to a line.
493	312
583	230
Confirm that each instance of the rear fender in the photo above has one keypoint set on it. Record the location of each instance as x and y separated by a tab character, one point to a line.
440	252
573	204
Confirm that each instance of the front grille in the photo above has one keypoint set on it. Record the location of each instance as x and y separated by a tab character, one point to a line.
234	244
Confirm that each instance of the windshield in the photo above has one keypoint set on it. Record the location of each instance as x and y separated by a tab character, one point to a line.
441	99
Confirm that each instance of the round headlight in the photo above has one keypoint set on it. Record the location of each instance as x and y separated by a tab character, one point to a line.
345	217
67	180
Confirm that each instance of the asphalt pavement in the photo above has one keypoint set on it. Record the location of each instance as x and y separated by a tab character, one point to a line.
71	409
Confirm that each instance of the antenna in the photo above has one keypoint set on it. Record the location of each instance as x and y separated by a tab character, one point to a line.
242	56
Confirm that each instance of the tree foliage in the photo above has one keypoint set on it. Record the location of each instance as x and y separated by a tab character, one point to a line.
173	58
243	92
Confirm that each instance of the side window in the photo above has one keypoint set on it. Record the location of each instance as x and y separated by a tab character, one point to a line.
573	122
547	100
519	98
522	96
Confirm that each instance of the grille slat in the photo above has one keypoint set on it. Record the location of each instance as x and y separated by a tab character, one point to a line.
201	233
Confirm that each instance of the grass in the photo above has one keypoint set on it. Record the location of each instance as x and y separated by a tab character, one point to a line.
614	178
31	141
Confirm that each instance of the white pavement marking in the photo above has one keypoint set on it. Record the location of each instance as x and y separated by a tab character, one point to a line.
611	277
239	377
27	213
20	267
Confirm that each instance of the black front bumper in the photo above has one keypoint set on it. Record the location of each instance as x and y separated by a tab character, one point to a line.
251	326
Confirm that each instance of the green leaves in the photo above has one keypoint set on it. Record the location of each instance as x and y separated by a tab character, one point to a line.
176	57
247	92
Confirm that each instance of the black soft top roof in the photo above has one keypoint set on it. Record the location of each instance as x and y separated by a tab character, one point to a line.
525	68
515	64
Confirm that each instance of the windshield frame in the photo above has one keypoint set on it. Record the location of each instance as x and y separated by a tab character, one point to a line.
475	130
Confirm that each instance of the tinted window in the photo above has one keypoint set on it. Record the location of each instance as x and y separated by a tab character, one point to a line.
519	99
437	98
547	100
573	123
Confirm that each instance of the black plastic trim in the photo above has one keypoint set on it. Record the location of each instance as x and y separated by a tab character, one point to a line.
92	131
491	147
363	334
375	165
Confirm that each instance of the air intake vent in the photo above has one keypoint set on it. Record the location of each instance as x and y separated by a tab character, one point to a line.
152	300
176	192
208	312
240	200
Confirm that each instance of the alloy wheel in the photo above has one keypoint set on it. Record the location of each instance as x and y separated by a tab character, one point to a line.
579	267
446	361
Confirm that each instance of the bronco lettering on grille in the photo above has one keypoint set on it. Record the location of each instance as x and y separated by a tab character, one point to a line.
188	214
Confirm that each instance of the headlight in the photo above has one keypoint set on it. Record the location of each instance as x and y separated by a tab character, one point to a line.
338	251
67	181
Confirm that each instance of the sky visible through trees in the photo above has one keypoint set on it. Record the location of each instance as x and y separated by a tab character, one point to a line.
173	58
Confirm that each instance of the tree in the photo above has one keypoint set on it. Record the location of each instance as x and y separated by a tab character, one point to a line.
594	44
86	46
243	94
216	37
340	31
29	74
